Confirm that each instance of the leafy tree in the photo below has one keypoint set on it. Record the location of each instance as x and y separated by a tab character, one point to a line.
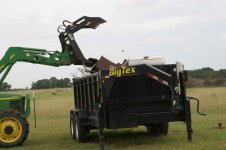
53	81
5	86
222	72
41	84
67	82
58	83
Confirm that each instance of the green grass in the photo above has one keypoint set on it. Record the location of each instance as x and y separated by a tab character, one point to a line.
52	130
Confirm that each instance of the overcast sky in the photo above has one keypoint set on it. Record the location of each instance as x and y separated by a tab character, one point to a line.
190	31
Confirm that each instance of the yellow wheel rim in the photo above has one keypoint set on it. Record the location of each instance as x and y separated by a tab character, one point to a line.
10	129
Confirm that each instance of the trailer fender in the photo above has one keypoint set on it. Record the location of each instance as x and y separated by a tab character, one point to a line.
80	112
73	112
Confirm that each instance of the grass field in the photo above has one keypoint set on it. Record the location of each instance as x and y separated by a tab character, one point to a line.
52	130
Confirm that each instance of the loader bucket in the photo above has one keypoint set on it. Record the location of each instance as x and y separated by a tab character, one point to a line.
67	38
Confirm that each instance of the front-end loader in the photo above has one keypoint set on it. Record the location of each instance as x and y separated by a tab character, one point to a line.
15	108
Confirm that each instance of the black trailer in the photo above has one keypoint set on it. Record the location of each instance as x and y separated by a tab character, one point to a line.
130	96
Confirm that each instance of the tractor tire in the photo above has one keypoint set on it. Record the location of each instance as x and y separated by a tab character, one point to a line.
80	131
158	129
72	126
14	128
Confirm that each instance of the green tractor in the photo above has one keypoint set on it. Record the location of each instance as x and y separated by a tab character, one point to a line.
15	108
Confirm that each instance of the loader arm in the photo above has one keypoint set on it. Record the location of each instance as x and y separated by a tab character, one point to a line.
32	55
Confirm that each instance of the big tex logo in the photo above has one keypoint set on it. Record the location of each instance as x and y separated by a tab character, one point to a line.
121	71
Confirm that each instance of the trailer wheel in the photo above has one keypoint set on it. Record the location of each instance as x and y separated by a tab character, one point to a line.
14	128
80	131
153	129
164	128
72	126
157	129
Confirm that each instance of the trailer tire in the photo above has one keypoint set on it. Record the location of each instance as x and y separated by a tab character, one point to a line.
80	131
157	129
72	126
153	130
164	128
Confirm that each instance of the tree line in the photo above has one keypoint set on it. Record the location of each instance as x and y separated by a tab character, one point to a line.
53	82
206	77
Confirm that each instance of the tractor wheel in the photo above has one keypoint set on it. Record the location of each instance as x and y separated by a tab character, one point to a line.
72	126
157	129
80	131
14	128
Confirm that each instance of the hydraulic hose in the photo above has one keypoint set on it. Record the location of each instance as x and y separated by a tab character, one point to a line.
197	105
